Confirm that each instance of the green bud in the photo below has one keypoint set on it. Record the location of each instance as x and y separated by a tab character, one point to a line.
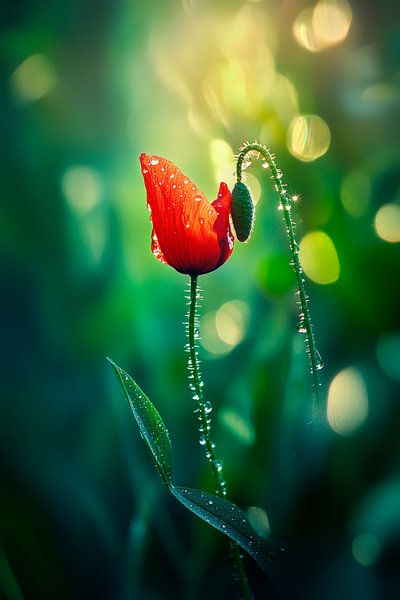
242	211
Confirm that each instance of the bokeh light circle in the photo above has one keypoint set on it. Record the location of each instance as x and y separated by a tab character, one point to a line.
308	137
387	223
319	258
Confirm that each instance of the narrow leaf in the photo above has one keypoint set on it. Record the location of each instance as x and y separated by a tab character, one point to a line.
151	425
227	518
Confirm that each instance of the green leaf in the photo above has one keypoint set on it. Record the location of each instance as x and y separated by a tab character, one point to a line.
151	425
227	518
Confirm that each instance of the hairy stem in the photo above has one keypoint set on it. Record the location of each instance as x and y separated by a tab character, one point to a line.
285	204
203	411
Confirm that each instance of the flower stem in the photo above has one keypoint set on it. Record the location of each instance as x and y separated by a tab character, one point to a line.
285	205
203	411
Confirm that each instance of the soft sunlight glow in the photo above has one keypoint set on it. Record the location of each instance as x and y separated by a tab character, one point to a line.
222	330
82	187
222	159
285	98
331	21
254	186
258	519
347	402
303	31
387	223
33	79
323	26
308	137
319	258
209	338
366	549
231	321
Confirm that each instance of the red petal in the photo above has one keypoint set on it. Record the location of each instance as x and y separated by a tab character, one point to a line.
191	235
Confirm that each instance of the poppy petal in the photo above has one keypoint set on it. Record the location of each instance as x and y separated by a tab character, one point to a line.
191	234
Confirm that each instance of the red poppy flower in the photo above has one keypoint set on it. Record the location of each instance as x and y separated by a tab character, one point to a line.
189	233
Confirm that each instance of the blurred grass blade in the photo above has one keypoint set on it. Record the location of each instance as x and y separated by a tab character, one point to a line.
151	425
227	518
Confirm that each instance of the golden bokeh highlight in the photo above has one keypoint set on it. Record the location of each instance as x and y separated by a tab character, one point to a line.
231	321
33	79
308	137
387	223
325	25
347	402
224	329
331	21
303	31
318	258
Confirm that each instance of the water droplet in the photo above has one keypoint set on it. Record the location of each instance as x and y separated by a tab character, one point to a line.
210	502
185	181
201	221
172	175
265	164
145	171
301	328
174	186
210	212
202	440
187	224
320	362
198	198
218	466
207	407
154	161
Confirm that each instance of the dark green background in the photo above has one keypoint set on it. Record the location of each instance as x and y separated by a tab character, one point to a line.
83	513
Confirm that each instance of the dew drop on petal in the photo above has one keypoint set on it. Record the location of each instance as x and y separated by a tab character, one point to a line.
154	161
201	220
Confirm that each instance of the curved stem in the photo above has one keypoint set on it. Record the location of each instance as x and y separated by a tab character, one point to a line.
203	410
305	325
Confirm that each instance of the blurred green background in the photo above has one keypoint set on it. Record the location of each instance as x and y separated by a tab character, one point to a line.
86	87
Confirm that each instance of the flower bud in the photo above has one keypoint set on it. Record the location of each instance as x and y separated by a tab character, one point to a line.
242	211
